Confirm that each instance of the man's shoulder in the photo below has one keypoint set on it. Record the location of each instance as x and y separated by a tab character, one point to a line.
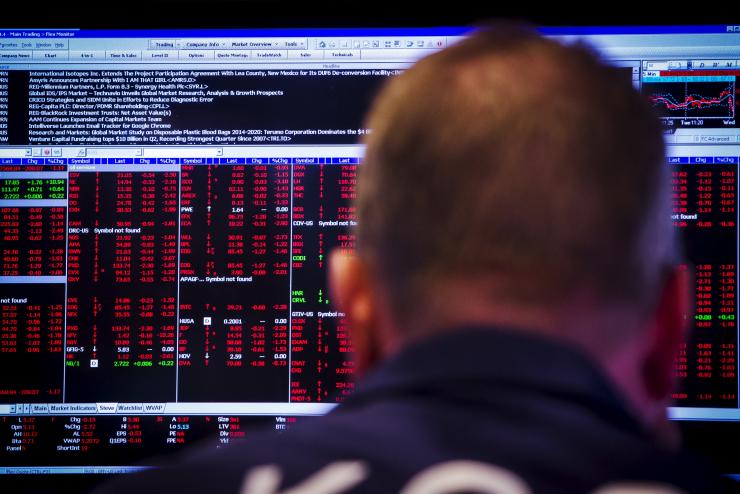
482	417
385	448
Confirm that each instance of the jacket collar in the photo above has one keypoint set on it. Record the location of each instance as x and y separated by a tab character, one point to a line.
496	359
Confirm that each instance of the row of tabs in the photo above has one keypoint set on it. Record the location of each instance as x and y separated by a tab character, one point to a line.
171	44
296	43
83	408
112	408
203	55
229	44
244	43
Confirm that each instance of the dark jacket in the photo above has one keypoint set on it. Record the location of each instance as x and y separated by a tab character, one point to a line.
466	406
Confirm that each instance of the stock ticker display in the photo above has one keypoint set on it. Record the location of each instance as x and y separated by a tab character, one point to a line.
173	280
164	234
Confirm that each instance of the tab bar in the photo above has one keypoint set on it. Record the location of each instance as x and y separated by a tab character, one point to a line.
232	54
15	56
267	44
83	408
71	408
130	408
153	407
160	55
39	408
162	44
107	407
196	54
132	55
51	56
86	56
295	44
342	54
306	54
269	55
201	44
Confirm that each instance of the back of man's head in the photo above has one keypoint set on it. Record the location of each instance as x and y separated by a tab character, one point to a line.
514	158
512	181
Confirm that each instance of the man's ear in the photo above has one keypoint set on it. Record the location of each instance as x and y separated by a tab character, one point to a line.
352	292
672	321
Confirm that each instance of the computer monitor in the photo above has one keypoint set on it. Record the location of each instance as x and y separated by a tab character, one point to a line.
168	199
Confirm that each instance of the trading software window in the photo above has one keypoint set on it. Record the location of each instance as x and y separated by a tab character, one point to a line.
168	200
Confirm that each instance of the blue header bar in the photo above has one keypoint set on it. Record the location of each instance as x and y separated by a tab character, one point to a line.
703	160
241	33
344	32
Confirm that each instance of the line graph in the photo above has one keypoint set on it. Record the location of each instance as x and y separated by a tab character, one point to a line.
688	100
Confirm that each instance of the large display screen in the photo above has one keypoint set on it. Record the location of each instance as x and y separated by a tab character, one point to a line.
168	200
